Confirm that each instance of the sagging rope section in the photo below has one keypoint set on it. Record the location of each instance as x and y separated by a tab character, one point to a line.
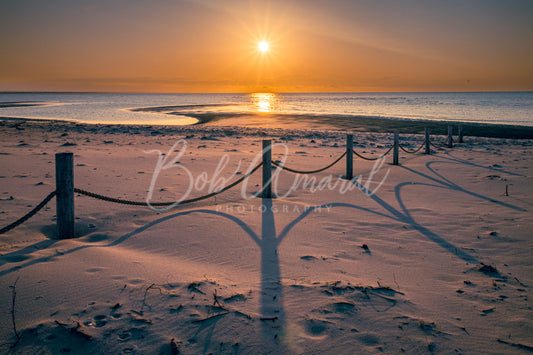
29	214
412	151
374	158
310	171
163	204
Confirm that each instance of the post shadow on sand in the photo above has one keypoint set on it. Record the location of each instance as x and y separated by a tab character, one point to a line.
272	312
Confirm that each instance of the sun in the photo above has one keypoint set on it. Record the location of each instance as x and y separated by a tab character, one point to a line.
263	46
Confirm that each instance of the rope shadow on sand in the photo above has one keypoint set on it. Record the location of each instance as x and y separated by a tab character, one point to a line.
405	216
449	156
445	183
442	183
21	255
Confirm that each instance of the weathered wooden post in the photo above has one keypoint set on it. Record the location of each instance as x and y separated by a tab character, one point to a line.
349	157
460	133
65	195
428	149
396	148
450	136
267	169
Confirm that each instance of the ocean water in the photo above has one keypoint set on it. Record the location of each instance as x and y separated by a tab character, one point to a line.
514	108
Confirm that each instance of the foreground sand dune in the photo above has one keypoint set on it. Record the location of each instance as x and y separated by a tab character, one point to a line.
436	259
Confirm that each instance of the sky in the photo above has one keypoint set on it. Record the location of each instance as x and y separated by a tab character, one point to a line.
315	45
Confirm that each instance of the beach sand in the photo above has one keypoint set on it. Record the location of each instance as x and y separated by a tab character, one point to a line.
431	256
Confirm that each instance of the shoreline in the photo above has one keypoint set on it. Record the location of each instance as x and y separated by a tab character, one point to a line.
389	125
337	123
348	122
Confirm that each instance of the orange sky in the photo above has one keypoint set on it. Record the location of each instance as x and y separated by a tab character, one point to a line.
315	45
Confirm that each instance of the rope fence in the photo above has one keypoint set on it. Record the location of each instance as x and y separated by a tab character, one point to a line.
65	189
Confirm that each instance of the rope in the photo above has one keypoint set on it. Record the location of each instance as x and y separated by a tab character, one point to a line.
412	151
438	146
136	203
377	158
29	214
308	172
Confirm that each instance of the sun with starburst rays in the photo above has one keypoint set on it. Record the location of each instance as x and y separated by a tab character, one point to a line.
263	46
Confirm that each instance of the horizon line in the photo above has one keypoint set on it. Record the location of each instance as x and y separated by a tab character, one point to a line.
260	92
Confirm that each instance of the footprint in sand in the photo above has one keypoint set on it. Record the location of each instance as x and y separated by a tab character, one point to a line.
124	335
316	328
369	339
342	307
116	315
308	258
337	307
94	270
98	321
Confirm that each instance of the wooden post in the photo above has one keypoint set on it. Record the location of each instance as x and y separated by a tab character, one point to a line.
460	134
267	169
65	195
428	149
349	157
396	148
450	136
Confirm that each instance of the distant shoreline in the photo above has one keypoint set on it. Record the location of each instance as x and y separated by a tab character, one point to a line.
389	125
330	123
347	122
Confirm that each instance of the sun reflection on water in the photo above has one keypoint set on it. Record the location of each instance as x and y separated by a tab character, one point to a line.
263	102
